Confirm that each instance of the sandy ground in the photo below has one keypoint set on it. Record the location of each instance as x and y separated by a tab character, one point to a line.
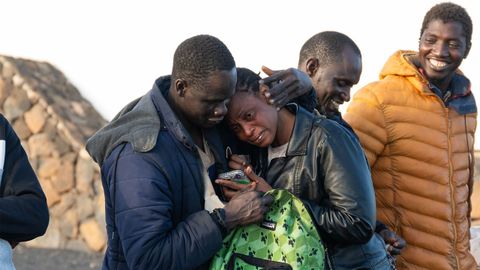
52	259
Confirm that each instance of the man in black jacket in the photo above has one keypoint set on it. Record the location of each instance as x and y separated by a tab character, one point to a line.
334	63
23	207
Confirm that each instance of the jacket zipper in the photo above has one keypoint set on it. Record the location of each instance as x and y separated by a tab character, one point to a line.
450	176
327	258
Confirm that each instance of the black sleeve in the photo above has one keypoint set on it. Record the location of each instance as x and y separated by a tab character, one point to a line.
349	215
23	206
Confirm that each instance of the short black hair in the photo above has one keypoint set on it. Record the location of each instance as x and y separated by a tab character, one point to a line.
198	56
327	47
247	81
450	12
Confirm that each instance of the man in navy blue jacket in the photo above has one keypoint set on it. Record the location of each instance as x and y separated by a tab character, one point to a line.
158	159
23	207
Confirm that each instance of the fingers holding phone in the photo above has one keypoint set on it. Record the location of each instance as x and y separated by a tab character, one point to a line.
234	181
238	162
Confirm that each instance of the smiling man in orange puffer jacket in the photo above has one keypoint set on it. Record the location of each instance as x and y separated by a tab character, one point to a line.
416	125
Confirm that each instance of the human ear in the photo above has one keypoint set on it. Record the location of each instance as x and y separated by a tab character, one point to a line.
311	66
180	87
467	50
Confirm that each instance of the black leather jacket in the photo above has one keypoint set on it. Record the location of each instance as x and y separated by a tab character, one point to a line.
326	168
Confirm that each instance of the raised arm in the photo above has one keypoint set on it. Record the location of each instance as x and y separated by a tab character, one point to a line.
289	85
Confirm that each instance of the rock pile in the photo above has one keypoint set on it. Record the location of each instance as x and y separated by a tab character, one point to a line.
53	122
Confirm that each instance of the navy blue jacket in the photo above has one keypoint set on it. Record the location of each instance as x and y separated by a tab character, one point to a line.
23	207
154	190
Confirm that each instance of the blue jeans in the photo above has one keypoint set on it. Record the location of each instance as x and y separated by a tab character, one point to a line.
6	256
385	264
388	263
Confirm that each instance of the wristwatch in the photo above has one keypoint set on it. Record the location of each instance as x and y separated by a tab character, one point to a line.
218	216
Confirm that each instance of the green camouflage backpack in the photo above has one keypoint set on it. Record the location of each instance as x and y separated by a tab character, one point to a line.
286	239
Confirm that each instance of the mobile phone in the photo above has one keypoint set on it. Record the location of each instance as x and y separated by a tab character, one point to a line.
237	176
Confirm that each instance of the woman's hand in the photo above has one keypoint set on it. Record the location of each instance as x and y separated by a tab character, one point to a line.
231	188
237	162
261	184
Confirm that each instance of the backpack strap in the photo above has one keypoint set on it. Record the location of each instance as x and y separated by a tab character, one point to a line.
262	264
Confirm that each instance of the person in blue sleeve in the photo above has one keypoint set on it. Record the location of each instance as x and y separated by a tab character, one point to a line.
23	206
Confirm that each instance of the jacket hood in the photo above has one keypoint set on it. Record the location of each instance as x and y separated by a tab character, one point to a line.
137	123
404	64
400	64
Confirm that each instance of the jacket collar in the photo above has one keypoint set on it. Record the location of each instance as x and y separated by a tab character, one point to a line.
298	143
461	99
405	64
169	120
137	123
459	95
159	95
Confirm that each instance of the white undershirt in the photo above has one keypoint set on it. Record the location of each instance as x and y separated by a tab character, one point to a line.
277	152
211	199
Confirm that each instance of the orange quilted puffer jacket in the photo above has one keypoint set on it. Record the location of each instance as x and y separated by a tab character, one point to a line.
420	153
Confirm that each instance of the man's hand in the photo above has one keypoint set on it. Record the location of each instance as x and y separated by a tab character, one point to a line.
285	85
395	243
247	207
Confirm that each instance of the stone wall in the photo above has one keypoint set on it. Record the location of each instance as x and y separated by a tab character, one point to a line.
53	122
